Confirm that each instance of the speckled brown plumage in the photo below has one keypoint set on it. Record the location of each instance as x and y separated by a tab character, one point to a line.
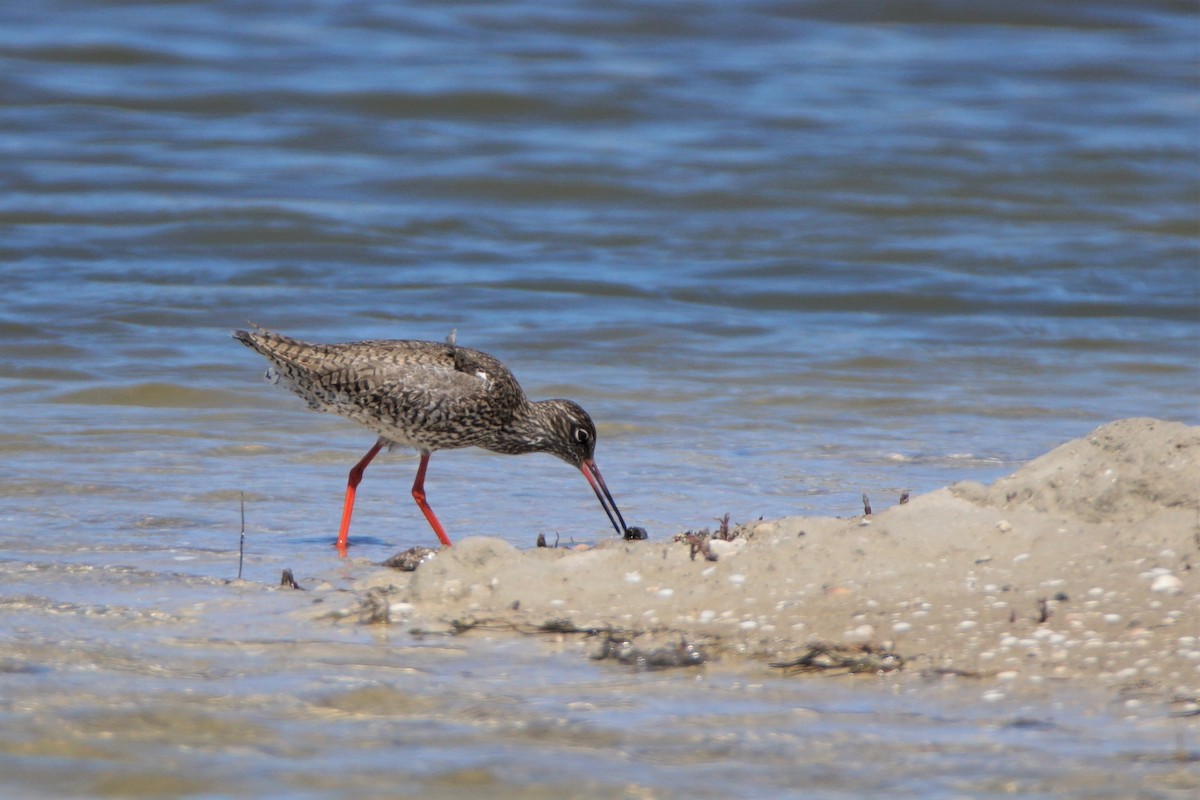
430	396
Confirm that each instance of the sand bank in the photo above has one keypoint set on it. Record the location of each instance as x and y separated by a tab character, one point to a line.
1080	565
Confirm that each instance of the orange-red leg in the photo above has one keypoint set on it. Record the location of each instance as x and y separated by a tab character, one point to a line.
418	493
356	473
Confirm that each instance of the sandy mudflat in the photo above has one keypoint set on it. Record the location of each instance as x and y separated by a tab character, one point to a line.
1083	564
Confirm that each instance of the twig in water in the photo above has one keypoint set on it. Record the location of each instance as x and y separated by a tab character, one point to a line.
903	498
288	580
866	505
242	538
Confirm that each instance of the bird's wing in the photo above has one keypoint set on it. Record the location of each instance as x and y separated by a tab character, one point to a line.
405	379
421	378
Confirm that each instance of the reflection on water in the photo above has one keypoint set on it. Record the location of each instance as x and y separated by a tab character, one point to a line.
783	255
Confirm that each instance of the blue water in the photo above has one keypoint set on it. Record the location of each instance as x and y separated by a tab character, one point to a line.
785	254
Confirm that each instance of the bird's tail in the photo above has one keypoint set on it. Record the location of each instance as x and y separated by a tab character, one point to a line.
279	349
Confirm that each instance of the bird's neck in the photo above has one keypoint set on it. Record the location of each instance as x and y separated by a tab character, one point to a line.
527	431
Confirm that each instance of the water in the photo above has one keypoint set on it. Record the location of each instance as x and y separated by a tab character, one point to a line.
784	254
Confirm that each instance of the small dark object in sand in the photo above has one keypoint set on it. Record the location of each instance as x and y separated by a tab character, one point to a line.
844	659
1043	610
903	498
541	540
288	580
723	532
564	625
699	543
633	532
684	654
408	560
866	505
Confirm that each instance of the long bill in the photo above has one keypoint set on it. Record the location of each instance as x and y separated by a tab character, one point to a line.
592	473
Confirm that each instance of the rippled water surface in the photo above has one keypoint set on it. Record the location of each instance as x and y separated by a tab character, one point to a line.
785	254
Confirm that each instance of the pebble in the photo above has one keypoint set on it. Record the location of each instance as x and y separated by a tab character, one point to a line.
901	627
861	634
1167	584
737	579
724	549
633	577
1004	526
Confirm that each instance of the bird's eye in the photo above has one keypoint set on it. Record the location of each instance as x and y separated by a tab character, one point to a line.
582	435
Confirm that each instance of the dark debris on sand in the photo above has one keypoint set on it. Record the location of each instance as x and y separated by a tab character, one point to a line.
843	659
408	560
623	650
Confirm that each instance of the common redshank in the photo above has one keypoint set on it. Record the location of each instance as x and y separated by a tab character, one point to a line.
431	396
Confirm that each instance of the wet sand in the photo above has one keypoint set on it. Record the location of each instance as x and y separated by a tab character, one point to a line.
144	681
1079	567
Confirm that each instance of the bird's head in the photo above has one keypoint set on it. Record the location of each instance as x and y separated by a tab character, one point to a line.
569	433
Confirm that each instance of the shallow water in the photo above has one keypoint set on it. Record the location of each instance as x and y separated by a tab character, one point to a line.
785	255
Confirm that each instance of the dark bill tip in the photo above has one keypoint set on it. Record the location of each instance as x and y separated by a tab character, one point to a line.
592	473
